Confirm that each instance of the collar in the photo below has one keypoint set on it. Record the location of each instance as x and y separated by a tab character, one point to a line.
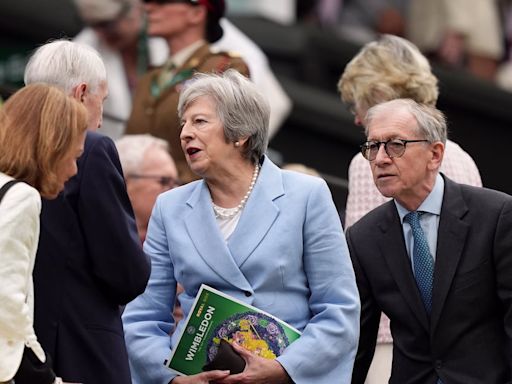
432	204
178	59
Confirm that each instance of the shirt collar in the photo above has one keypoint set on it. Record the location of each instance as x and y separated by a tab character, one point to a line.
432	204
183	55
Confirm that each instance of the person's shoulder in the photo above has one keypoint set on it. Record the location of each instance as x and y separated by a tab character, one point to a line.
94	139
481	194
181	193
19	195
481	200
376	215
100	155
219	61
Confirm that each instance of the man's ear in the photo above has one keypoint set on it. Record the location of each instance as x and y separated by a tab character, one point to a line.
437	150
80	91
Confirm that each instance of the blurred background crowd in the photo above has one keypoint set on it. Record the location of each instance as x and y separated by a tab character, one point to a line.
296	50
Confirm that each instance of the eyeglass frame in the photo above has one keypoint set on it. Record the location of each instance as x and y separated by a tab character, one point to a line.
164	181
365	150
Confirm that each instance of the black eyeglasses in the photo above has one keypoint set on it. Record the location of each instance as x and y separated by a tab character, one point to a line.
393	147
164	181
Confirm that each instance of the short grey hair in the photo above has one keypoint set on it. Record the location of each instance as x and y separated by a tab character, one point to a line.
242	109
65	64
431	122
133	148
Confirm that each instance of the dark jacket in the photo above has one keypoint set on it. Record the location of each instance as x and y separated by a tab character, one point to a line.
468	337
89	263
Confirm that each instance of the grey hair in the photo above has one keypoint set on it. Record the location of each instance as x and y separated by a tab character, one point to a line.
242	109
65	64
133	148
431	122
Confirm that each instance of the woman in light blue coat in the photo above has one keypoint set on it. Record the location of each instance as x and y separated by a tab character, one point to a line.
268	237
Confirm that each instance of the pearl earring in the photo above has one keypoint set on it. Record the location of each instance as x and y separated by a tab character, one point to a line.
237	143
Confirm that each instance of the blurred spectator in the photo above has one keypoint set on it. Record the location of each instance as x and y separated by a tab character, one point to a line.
459	33
42	133
504	74
187	26
260	72
148	170
359	21
117	30
383	70
282	11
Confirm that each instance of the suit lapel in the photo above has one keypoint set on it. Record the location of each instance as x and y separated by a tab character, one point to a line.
397	258
259	213
208	241
451	238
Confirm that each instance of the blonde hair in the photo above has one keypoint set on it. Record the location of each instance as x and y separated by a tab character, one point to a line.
387	69
39	126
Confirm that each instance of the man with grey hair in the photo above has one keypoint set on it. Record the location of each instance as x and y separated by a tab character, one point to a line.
149	170
436	259
89	261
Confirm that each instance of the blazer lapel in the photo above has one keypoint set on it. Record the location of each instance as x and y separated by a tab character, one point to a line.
451	238
259	213
397	258
207	239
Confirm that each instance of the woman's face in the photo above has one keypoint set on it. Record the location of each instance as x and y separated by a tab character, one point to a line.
203	141
67	168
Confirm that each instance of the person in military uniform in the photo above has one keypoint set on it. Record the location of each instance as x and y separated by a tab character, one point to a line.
188	26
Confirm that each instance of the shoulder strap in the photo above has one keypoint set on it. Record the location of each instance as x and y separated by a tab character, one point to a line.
6	187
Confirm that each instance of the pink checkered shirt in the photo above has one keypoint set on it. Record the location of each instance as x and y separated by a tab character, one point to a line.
363	195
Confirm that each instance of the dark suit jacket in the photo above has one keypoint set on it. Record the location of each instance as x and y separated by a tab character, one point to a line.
89	263
468	337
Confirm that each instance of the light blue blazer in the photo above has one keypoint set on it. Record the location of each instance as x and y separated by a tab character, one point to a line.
287	256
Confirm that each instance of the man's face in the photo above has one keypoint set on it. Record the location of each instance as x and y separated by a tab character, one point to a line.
406	178
157	175
93	102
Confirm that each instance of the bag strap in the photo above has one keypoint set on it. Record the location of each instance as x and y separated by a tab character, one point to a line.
6	187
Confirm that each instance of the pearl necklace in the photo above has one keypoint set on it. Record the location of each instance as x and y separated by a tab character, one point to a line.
220	212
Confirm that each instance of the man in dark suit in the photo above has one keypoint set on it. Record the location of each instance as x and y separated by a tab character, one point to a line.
90	261
437	259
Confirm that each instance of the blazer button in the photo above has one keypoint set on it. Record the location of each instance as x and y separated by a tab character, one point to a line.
247	293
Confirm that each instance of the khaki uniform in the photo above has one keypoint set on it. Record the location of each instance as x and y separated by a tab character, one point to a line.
158	116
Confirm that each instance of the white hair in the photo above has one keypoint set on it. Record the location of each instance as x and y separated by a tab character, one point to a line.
65	64
243	110
133	148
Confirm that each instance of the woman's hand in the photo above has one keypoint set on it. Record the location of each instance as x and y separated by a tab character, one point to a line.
201	378
258	370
